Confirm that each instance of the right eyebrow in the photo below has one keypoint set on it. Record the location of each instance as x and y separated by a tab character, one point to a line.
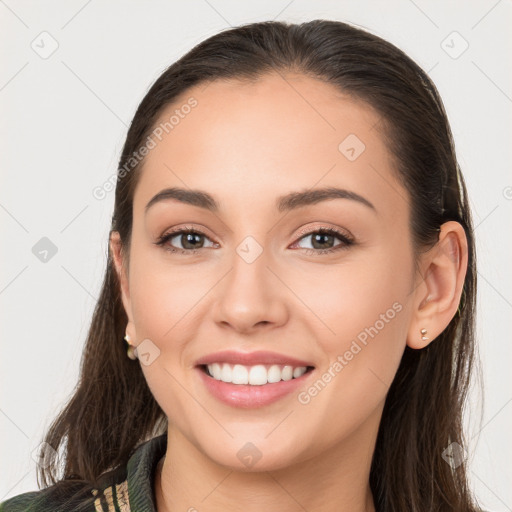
193	197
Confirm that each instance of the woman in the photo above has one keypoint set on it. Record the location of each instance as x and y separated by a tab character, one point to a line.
292	266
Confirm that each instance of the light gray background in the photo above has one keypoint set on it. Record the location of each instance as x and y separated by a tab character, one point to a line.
64	119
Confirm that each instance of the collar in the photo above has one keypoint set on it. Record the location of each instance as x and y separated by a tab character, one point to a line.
134	491
141	470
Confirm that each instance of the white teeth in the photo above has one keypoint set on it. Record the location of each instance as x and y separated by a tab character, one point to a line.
287	373
240	374
297	372
274	374
226	374
257	375
216	370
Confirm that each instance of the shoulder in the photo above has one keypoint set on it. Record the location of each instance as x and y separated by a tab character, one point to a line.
77	496
32	501
110	492
64	498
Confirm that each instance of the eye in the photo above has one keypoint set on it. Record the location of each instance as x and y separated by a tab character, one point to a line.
191	240
323	241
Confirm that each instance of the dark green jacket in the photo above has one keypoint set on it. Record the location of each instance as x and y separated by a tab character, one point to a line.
128	489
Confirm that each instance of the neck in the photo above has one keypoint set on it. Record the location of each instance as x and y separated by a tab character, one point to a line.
334	481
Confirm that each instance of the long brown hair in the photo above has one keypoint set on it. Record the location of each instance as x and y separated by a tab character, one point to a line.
112	410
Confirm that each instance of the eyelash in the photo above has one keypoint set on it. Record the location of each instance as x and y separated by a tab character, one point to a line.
346	241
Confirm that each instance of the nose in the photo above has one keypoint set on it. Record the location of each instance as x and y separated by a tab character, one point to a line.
251	296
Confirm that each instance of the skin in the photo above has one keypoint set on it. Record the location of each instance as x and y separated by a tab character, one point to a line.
247	144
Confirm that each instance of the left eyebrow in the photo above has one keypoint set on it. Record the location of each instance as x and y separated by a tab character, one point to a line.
316	195
287	202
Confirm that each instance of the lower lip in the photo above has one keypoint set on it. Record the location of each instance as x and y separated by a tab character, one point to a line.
247	396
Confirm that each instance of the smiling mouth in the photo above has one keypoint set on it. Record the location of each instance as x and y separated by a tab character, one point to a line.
255	375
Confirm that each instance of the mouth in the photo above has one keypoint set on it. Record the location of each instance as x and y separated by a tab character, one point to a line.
252	379
255	375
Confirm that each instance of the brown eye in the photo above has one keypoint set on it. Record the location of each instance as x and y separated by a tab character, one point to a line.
323	241
189	239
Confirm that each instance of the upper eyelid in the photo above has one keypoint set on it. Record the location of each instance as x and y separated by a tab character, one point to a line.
325	227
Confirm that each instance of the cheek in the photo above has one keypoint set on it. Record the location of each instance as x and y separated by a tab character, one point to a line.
161	304
359	296
364	309
168	305
162	294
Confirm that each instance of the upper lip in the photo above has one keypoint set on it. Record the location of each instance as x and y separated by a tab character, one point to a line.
251	358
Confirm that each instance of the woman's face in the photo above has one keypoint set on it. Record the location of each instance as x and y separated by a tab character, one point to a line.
258	277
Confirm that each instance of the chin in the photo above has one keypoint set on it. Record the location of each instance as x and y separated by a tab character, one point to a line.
254	456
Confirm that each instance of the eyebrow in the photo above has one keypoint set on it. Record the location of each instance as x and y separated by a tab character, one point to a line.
287	202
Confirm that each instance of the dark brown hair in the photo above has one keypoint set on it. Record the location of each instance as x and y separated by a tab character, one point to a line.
112	410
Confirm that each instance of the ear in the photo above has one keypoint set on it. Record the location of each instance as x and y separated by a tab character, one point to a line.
439	287
120	266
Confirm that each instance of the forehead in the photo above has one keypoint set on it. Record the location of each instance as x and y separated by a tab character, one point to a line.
249	142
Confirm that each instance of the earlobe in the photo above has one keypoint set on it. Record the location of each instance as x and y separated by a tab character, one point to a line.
438	292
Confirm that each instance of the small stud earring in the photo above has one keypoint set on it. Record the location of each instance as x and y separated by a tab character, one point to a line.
131	349
423	335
